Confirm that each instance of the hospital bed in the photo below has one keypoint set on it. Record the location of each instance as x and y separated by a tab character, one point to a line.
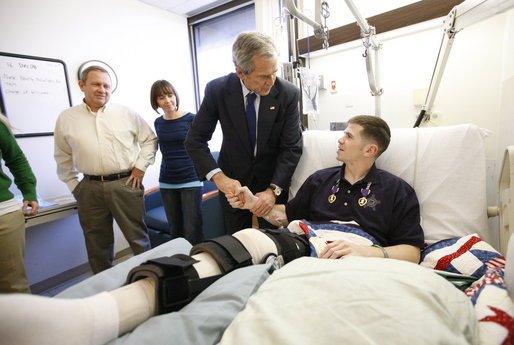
362	300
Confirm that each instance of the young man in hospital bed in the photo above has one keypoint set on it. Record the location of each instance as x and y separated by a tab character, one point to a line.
378	203
396	233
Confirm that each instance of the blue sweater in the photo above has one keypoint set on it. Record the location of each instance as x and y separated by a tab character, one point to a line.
176	166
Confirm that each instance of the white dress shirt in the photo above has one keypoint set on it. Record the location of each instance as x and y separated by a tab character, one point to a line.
115	139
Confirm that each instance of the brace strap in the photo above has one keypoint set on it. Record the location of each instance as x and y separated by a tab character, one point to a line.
290	246
227	250
176	280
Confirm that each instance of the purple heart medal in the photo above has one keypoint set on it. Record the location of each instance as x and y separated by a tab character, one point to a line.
364	192
335	189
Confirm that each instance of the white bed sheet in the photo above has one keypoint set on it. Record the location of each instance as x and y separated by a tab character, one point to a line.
354	301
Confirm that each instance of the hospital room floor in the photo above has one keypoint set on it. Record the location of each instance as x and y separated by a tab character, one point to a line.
54	290
61	287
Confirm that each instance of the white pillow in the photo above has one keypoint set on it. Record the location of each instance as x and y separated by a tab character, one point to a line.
445	165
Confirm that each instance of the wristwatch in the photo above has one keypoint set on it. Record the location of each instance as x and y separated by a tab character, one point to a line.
276	189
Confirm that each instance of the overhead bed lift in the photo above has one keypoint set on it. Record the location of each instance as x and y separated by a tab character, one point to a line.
368	35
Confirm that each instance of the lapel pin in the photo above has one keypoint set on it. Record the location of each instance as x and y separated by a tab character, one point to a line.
271	108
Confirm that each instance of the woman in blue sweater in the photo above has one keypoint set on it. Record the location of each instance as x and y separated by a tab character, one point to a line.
181	190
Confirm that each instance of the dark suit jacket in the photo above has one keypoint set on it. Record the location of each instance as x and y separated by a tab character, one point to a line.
279	137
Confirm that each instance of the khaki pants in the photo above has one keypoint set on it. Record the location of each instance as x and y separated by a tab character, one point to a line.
13	277
98	203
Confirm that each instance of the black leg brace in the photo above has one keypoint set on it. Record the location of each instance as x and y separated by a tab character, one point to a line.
289	246
177	282
227	250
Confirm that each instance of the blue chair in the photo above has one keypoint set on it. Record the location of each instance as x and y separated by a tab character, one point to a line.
157	223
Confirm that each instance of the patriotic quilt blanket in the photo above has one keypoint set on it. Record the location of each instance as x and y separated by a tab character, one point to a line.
471	256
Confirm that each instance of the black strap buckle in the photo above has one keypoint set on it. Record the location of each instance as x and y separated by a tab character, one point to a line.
176	280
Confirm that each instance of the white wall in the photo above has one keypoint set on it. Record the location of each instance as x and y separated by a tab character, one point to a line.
140	42
506	130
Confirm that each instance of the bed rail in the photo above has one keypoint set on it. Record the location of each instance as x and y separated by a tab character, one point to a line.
506	195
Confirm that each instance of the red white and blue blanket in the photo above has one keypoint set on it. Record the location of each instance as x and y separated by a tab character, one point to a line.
470	255
467	255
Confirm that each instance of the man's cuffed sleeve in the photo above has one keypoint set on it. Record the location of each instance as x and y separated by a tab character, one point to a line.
64	159
148	143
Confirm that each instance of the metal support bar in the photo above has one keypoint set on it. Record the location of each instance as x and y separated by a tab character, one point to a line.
368	34
291	7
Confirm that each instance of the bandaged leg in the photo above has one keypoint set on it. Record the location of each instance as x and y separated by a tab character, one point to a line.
258	244
30	319
136	303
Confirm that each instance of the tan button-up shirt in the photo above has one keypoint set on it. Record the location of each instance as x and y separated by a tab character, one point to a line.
113	140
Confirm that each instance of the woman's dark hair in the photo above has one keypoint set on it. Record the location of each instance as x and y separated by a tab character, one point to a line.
160	88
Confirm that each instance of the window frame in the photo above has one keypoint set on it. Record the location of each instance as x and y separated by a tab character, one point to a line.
192	21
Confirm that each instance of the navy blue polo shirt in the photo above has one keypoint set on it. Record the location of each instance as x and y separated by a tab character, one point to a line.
389	213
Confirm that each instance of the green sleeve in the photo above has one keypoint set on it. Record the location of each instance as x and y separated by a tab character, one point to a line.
18	165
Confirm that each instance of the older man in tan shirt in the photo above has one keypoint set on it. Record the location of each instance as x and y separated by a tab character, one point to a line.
111	146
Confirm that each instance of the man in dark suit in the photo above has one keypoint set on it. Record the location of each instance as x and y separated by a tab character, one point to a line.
262	156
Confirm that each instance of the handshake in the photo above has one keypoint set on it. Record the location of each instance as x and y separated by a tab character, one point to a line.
262	205
242	198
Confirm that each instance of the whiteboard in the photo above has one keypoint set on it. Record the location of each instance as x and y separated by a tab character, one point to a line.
33	92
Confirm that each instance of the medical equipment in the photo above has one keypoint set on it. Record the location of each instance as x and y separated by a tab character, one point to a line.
310	85
368	36
467	13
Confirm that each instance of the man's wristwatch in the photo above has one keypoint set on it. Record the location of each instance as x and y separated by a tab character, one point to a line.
276	189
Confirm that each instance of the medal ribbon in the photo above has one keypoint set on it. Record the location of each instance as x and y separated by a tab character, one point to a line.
364	192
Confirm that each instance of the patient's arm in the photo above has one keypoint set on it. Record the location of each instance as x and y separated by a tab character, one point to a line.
340	248
404	252
246	200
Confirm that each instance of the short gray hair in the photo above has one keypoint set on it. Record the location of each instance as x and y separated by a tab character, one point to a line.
250	44
83	75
